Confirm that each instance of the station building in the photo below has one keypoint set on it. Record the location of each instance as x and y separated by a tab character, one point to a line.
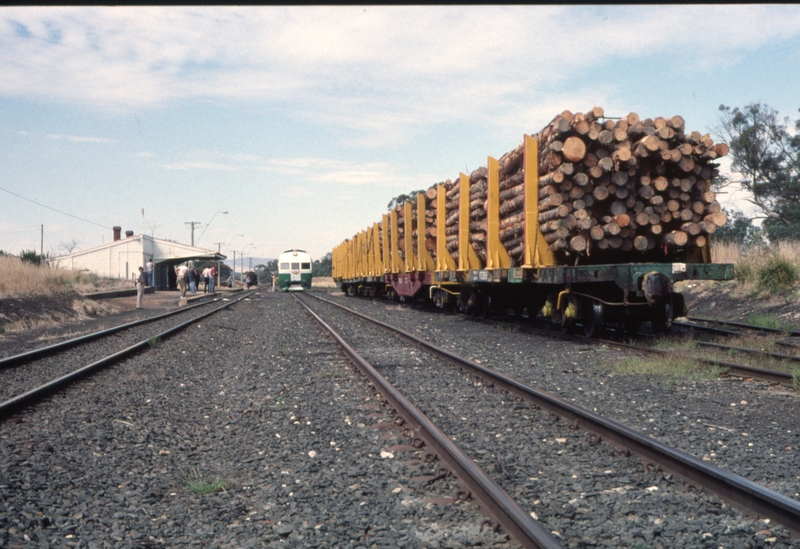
122	257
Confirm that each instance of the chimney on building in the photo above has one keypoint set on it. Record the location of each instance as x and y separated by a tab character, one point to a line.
117	233
128	234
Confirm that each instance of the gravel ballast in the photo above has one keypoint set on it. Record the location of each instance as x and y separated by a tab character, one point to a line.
258	399
254	397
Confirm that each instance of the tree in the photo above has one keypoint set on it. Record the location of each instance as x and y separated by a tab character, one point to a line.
323	266
766	156
739	230
32	257
401	198
69	245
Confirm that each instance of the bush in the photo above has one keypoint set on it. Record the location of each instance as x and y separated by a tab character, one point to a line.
778	274
31	256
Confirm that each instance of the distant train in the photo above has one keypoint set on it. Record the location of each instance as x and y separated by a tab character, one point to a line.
294	271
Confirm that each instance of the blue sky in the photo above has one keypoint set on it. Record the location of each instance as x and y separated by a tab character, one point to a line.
303	122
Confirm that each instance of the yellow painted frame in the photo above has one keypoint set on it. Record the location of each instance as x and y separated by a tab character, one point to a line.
424	259
408	229
537	253
444	261
496	255
396	265
467	258
387	258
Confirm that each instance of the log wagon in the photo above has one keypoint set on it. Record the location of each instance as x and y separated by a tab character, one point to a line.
588	222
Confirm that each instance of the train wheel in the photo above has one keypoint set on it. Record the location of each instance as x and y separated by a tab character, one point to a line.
631	327
486	306
662	317
593	320
351	291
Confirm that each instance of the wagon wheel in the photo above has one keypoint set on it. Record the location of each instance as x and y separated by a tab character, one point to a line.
593	320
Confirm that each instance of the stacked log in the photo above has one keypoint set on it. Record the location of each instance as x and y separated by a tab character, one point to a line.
608	188
611	186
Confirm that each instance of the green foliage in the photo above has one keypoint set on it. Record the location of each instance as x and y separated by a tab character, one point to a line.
195	482
739	230
32	257
778	274
323	266
2	329
768	321
766	157
154	341
402	198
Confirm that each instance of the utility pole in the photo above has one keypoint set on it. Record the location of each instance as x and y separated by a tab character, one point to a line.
219	265
41	241
192	225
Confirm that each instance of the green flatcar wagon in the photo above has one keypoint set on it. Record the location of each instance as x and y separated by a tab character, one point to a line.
294	271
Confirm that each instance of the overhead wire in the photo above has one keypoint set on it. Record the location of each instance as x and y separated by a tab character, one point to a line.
51	208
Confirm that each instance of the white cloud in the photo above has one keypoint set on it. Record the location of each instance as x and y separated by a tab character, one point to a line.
198	165
379	74
80	138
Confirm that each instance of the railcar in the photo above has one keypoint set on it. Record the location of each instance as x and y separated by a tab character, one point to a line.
435	248
294	271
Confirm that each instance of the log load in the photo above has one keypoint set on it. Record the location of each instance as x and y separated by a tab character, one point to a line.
608	189
614	187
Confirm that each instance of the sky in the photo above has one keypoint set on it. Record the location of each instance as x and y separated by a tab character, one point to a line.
302	123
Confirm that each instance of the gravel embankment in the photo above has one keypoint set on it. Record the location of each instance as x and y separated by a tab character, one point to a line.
749	428
254	396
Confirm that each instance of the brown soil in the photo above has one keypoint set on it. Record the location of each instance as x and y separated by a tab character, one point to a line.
733	302
48	317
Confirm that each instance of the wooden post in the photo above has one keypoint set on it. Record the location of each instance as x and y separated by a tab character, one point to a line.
496	255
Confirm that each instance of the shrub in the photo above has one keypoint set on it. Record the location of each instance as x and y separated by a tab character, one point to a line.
778	274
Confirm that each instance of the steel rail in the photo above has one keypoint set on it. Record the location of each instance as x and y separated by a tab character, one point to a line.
738	491
494	500
744	325
779	356
19	402
9	361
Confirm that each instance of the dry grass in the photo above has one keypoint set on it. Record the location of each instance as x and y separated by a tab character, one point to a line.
323	282
771	268
21	279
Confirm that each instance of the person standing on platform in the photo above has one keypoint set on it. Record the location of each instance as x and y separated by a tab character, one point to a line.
205	276
141	280
212	279
192	279
181	273
149	266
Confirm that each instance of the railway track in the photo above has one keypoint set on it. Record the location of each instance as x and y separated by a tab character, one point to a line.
746	494
785	371
33	375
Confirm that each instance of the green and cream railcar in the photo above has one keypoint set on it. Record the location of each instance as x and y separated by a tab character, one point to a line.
294	271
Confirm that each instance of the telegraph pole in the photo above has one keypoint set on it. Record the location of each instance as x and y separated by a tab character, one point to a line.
219	265
192	225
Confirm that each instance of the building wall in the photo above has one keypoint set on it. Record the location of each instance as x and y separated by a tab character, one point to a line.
120	259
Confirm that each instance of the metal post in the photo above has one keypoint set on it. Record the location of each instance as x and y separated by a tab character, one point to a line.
41	241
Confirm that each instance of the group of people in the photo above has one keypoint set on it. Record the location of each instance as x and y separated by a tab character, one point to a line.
188	277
